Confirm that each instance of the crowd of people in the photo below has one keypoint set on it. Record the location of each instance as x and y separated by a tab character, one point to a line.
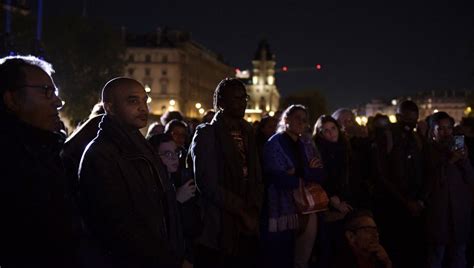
220	192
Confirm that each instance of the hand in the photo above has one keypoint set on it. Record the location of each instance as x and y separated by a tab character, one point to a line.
414	207
380	254
186	191
315	163
187	264
457	155
250	222
344	207
291	171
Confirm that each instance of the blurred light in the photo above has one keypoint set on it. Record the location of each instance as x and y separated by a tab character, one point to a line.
394	102
364	120
271	79
468	110
359	120
148	100
172	102
171	108
237	70
435	111
392	118
63	103
284	68
198	105
318	66
271	113
267	108
254	79
147	88
201	111
249	119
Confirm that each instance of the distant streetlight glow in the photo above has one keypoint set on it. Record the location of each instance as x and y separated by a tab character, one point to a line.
148	100
198	105
318	66
172	102
271	113
147	88
392	118
201	111
284	68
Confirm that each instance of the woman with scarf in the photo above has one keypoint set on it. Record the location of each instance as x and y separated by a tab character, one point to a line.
335	155
285	163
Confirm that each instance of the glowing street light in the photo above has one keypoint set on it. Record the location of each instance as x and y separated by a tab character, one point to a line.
392	118
147	88
172	102
198	105
201	111
148	100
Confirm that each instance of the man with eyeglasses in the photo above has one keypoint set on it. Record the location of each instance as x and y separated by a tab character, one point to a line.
228	178
38	226
128	203
363	249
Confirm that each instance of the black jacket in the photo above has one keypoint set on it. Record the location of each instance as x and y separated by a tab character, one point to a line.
122	192
38	225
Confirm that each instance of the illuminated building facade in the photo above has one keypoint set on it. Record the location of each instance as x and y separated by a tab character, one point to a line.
178	73
261	87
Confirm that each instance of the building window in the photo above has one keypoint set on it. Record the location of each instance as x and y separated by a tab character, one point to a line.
147	71
131	58
131	71
164	85
164	72
147	58
165	58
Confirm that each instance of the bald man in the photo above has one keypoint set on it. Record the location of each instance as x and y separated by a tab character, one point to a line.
126	197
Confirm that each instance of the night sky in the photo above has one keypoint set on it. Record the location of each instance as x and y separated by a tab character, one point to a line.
366	50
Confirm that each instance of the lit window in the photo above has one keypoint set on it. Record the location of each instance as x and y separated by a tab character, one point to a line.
270	79
254	80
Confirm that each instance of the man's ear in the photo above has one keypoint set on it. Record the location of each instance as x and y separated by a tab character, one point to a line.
108	107
349	236
12	101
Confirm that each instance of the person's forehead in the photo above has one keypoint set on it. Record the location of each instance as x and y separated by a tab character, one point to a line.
36	76
128	89
364	222
167	146
236	91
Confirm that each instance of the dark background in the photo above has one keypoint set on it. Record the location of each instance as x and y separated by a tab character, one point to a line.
367	50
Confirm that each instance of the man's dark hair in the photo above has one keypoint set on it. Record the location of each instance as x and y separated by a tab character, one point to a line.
435	118
223	88
173	124
407	106
170	115
12	72
350	221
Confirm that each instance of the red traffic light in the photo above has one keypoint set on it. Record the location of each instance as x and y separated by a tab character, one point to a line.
318	67
284	68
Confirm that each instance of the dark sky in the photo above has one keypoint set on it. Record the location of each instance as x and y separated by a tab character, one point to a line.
367	50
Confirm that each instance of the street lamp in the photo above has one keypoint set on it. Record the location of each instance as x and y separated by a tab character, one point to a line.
198	105
172	102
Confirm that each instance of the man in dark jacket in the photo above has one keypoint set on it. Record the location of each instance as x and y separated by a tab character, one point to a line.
228	177
37	226
400	194
124	191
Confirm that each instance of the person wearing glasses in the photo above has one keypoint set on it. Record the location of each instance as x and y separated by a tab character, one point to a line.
127	200
228	178
38	226
362	248
181	178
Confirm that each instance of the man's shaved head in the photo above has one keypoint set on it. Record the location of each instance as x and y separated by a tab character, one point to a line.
116	85
125	100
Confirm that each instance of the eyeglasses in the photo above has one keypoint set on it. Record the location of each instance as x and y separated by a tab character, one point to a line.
170	154
370	229
49	90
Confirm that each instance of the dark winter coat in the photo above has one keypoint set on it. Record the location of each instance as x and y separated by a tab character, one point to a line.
123	191
39	225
